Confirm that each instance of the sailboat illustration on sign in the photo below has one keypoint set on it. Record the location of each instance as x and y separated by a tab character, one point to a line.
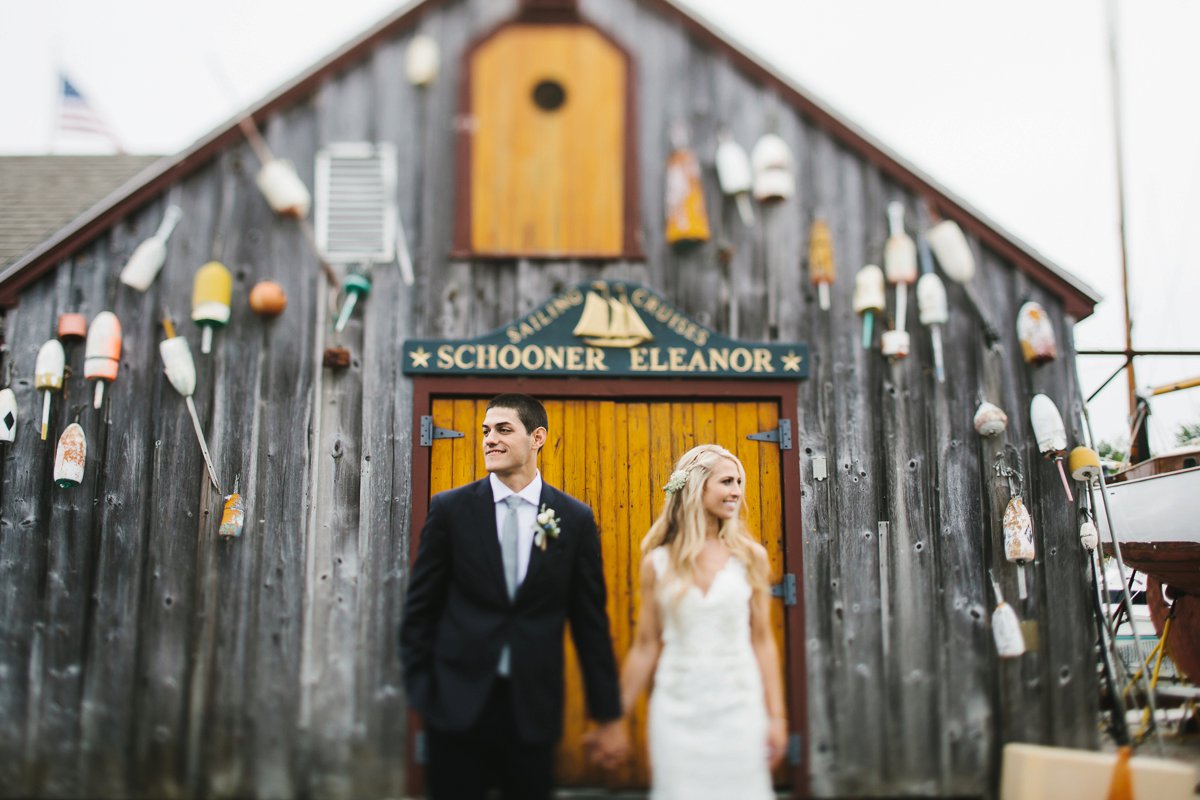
607	322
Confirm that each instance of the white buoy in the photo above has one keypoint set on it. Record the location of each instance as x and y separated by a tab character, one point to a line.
8	415
990	419
421	60
934	312
1006	628
951	250
147	259
895	344
281	186
48	374
181	372
773	163
70	458
733	173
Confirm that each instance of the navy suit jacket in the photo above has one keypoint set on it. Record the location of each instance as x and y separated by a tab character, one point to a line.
457	617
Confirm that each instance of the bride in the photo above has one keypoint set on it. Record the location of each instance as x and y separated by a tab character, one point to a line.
716	720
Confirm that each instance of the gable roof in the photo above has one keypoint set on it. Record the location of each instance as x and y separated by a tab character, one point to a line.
39	195
1078	298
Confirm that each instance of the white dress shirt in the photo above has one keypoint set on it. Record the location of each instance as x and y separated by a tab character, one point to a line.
526	517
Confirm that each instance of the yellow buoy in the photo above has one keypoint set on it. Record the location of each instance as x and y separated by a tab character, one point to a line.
211	296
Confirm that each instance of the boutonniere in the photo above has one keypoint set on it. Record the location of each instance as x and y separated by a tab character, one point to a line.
545	527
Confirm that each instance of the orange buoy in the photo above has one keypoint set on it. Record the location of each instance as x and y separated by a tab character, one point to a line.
268	299
72	326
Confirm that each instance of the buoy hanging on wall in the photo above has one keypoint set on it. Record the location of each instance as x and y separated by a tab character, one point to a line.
822	270
1051	434
212	292
1006	628
356	285
1036	335
687	219
733	173
268	299
102	357
48	374
990	420
773	164
72	327
869	299
71	457
143	266
233	515
8	415
899	261
285	193
181	372
951	250
421	60
934	313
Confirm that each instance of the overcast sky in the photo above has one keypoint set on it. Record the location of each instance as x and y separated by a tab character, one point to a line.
1006	104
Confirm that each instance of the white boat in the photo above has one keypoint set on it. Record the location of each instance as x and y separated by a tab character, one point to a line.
1155	507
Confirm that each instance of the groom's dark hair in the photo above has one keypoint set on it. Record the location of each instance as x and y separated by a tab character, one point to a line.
529	410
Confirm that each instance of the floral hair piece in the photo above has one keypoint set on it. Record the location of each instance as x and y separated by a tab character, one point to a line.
678	479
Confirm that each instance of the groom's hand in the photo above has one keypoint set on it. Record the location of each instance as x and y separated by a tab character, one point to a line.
608	744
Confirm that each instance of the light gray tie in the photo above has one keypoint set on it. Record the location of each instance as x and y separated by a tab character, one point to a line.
508	552
508	544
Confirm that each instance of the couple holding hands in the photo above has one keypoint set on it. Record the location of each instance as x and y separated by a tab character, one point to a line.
506	561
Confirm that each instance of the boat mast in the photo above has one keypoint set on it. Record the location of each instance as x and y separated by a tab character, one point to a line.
1114	69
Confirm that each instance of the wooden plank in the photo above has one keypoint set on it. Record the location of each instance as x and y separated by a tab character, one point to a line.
643	496
961	479
25	540
913	761
225	581
53	744
441	465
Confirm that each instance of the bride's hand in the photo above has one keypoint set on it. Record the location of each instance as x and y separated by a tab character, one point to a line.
776	741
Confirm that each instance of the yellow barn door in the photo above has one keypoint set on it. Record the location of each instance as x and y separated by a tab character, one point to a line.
615	456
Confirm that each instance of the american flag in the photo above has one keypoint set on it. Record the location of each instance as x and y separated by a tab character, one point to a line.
76	116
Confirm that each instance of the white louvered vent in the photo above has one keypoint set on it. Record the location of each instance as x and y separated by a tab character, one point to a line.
356	202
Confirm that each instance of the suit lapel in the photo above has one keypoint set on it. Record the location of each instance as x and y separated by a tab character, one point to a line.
484	508
538	556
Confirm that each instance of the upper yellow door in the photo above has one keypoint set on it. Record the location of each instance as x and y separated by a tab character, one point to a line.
616	456
547	171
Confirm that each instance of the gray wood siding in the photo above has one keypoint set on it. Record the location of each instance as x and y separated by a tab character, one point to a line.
140	655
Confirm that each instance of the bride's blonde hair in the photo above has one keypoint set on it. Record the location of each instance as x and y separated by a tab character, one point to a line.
682	523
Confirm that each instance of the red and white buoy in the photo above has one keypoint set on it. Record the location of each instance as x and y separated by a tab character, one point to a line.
102	356
1051	435
899	261
1036	334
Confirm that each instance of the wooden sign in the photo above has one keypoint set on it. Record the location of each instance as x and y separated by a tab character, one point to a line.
606	330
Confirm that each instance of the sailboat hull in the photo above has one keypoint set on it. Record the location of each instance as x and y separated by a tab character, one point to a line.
1157	519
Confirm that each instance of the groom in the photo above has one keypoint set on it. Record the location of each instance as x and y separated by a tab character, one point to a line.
482	636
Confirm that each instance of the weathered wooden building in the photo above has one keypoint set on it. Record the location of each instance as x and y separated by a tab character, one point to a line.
142	655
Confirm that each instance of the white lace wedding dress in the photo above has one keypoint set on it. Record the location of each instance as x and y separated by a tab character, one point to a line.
708	718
